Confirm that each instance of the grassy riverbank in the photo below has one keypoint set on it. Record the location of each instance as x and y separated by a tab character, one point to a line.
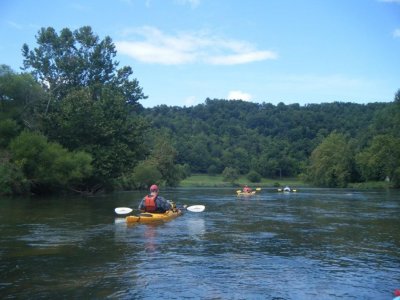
200	180
371	185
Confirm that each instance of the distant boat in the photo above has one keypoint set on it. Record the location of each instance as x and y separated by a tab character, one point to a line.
287	189
241	193
247	193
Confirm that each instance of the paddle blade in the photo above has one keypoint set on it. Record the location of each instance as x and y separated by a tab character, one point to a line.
196	208
123	210
258	189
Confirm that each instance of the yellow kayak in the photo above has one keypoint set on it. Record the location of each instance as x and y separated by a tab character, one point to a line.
239	193
153	217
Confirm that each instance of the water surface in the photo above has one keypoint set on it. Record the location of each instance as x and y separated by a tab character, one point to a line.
313	244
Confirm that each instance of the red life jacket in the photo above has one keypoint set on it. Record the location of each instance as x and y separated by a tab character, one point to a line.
150	203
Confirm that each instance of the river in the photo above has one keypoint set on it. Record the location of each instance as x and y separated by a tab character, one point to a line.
313	244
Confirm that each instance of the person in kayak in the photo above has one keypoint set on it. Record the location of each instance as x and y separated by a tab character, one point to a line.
154	203
287	189
246	189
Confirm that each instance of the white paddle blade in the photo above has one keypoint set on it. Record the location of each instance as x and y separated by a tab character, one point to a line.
196	208
123	210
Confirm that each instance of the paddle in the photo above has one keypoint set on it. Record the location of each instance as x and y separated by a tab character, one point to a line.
196	208
123	210
127	210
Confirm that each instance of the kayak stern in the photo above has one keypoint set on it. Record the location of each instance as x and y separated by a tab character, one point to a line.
153	217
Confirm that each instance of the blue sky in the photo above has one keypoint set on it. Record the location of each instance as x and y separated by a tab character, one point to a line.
183	51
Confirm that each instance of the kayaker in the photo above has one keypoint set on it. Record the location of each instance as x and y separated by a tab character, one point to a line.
246	189
287	189
154	203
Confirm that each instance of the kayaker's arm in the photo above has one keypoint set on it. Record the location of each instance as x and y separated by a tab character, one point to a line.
163	203
141	205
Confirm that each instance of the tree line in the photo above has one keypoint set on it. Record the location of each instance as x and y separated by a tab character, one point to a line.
330	144
72	121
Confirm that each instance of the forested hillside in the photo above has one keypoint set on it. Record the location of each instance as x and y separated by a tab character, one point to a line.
272	140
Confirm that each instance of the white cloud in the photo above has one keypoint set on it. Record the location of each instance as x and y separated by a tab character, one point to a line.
151	45
396	33
150	53
242	58
239	95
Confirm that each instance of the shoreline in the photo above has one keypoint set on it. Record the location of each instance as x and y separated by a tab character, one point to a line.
202	180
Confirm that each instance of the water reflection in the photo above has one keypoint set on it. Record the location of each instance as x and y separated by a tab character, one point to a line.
150	238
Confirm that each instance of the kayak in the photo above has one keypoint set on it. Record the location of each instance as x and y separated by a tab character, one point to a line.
246	193
153	217
287	190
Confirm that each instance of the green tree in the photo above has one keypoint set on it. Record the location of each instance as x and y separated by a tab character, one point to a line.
48	165
9	129
212	170
12	178
240	161
387	120
103	128
145	174
397	97
164	157
381	159
253	176
230	175
195	152
71	59
331	163
92	105
20	98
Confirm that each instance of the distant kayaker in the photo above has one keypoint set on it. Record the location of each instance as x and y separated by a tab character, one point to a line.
154	203
246	189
